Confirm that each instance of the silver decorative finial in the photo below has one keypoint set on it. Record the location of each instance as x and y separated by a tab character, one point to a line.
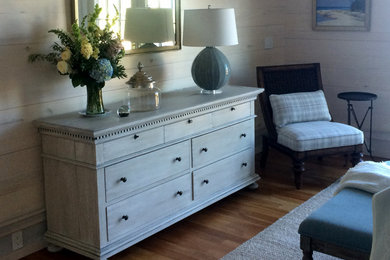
140	66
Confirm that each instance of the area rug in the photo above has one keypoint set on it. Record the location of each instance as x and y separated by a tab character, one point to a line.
281	240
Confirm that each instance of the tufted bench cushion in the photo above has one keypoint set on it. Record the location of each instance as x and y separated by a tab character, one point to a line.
306	136
344	221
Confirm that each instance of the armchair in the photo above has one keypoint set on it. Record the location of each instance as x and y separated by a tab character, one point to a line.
297	117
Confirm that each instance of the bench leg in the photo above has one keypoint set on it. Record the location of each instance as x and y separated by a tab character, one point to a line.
306	248
307	255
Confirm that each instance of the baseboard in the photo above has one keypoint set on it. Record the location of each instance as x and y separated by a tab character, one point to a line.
32	226
26	250
380	145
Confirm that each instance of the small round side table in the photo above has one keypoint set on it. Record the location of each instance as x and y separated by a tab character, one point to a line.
359	96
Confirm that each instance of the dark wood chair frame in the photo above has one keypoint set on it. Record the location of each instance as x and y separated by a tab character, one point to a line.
308	245
291	79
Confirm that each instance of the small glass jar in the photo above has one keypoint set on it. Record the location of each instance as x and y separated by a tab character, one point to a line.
142	92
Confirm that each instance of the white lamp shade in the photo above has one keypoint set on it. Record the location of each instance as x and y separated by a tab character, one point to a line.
146	25
209	27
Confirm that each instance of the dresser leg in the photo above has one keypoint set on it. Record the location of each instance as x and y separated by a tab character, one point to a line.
53	248
252	186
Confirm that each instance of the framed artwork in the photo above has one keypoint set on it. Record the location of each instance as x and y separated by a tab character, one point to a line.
341	15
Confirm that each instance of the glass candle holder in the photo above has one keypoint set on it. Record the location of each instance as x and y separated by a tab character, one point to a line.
142	93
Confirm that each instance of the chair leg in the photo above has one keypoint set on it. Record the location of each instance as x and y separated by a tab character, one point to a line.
346	156
299	168
356	158
264	153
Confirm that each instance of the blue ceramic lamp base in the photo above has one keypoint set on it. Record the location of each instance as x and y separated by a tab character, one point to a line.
211	70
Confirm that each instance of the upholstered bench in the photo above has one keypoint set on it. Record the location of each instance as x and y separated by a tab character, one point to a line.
342	227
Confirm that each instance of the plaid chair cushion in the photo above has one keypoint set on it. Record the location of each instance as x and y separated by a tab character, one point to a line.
315	135
299	107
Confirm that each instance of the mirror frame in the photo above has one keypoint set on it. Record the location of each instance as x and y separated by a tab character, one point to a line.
177	46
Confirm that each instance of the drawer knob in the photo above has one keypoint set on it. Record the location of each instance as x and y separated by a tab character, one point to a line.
179	193
136	136
178	159
244	164
190	121
204	150
243	135
125	217
232	109
123	179
206	181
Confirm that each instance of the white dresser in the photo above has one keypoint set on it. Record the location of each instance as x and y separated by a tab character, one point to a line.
111	182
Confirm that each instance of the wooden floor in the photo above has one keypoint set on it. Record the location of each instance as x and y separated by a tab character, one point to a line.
220	228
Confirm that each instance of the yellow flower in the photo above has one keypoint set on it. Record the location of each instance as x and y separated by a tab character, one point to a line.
63	67
86	49
65	55
95	54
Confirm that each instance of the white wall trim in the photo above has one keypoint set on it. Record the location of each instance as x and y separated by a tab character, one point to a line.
22	222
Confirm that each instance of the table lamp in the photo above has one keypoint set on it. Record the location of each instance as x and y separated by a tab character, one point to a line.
209	28
149	26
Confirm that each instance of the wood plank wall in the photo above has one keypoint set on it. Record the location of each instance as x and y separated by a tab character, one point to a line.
350	61
31	91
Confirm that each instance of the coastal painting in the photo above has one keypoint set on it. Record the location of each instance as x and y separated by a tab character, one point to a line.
351	15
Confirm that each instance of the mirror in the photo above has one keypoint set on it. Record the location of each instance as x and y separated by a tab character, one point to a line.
144	25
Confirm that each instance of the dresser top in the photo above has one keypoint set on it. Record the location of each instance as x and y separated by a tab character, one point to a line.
173	105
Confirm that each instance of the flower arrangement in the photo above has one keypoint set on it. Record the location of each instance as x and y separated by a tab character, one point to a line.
88	54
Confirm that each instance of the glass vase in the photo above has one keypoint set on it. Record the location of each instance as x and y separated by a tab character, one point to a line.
94	101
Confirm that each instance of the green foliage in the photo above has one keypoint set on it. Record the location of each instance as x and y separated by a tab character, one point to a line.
79	51
64	37
51	57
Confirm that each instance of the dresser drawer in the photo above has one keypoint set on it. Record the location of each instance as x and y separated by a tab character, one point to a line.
133	143
222	143
220	175
187	127
149	207
231	114
146	170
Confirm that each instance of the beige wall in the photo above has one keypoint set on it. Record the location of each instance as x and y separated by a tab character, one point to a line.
350	61
30	91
